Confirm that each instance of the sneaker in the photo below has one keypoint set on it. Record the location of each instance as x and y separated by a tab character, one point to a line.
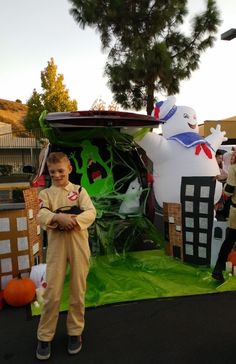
43	351
74	344
217	274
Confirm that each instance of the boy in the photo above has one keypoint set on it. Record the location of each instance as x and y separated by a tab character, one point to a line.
67	243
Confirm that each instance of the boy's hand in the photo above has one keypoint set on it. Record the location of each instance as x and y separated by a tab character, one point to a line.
65	221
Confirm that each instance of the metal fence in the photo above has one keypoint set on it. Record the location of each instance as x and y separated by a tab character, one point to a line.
18	150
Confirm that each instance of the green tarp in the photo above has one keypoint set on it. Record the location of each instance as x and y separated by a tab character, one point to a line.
143	275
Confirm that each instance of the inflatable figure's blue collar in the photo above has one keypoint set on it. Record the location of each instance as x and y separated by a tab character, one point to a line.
189	139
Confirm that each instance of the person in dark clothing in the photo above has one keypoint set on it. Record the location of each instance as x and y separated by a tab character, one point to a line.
229	190
222	177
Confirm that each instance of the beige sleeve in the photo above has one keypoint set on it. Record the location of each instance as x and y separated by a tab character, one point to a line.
87	217
45	214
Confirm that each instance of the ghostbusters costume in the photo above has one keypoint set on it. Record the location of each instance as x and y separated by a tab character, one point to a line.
229	190
65	247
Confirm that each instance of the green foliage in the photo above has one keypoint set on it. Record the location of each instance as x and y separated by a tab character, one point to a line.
55	97
35	108
148	52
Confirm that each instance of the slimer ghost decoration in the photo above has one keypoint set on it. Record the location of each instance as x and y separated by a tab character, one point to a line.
180	151
97	175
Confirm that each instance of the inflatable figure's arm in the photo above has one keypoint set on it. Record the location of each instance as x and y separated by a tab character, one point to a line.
136	133
216	138
155	146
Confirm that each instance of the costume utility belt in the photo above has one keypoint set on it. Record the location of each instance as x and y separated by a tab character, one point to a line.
74	210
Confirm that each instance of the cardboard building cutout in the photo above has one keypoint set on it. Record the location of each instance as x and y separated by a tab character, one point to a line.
197	201
180	151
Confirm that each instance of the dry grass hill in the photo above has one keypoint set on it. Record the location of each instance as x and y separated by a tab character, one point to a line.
13	112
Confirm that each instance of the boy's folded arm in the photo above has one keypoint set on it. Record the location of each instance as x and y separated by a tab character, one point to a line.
86	218
46	219
45	214
88	214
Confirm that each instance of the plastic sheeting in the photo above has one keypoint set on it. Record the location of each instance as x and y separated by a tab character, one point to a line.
112	172
143	275
113	236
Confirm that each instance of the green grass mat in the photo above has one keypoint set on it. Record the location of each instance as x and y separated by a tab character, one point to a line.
143	275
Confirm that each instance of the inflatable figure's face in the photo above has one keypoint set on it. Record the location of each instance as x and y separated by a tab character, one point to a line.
184	120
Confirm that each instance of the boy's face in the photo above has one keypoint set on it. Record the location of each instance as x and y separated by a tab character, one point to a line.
59	173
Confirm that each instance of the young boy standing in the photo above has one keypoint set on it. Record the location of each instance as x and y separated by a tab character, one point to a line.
67	244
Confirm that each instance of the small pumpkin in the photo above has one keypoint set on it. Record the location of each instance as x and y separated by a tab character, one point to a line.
19	291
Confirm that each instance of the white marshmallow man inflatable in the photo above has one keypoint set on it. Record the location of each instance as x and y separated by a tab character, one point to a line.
180	151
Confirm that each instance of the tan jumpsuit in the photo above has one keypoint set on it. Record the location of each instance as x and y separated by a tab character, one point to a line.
65	247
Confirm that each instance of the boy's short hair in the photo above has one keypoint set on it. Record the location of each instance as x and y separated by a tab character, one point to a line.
57	157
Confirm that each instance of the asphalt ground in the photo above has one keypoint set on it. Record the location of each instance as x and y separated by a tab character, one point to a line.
184	330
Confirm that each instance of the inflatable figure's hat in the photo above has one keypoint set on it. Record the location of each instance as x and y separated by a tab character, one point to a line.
164	110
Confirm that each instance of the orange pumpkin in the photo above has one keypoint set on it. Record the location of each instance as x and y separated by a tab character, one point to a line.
232	257
19	291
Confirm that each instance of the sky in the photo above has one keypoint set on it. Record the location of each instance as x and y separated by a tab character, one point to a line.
33	31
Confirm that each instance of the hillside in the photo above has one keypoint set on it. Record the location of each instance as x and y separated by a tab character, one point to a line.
13	113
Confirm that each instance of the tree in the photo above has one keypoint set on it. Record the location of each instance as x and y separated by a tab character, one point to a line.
98	105
147	51
35	108
55	97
